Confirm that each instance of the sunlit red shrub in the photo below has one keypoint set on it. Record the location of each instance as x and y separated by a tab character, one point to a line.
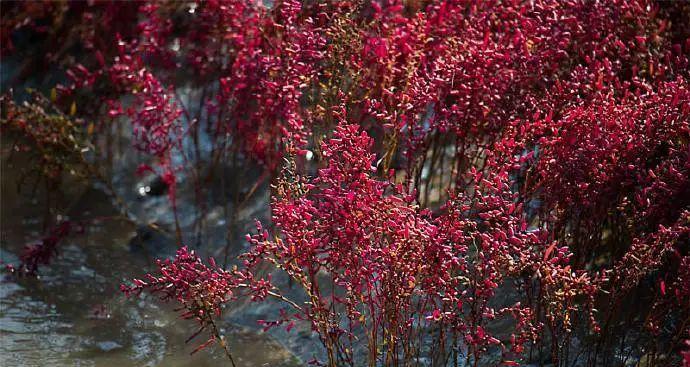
541	155
201	291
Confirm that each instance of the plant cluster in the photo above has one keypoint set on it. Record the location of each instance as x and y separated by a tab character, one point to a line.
439	168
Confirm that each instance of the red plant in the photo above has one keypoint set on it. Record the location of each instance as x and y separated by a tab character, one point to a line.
365	238
41	253
541	153
363	252
201	291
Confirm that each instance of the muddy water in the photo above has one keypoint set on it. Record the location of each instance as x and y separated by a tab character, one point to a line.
73	314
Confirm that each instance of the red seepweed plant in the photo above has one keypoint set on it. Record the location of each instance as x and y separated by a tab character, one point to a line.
384	279
497	180
201	291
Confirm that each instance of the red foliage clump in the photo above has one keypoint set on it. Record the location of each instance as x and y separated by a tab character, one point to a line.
541	155
36	254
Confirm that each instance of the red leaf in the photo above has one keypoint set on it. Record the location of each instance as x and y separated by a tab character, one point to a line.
549	250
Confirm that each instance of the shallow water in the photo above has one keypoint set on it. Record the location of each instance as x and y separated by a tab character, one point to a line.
73	314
